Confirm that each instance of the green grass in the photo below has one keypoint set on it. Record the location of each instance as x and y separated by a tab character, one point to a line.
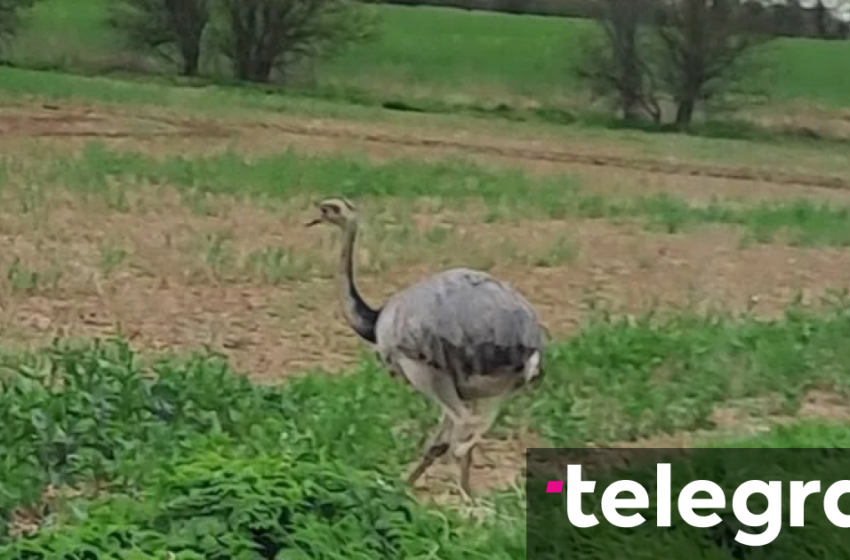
66	35
16	84
476	53
437	52
102	172
237	104
169	451
806	71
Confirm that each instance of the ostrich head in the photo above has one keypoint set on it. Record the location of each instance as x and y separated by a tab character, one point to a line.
337	211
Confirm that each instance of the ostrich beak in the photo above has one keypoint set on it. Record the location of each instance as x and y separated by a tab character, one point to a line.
311	223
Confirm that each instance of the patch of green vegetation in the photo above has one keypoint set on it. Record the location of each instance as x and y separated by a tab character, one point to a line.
225	503
484	63
185	455
627	378
55	86
485	53
97	417
804	70
813	434
98	170
723	143
532	56
66	35
479	53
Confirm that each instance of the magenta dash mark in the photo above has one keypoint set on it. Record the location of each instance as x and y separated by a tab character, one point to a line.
554	487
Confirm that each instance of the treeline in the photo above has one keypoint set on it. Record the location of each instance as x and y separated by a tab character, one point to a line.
261	40
696	54
789	20
661	63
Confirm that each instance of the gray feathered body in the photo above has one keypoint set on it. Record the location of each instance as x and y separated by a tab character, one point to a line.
466	324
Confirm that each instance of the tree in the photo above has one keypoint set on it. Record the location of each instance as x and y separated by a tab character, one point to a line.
616	61
170	28
263	36
690	51
826	13
10	18
789	18
703	48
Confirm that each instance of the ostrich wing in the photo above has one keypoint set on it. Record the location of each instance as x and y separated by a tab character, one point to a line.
462	322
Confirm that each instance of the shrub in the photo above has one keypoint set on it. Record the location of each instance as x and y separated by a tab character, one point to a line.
95	417
10	18
220	504
693	51
172	29
260	37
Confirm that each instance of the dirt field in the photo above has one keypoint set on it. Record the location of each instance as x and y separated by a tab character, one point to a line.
164	298
158	272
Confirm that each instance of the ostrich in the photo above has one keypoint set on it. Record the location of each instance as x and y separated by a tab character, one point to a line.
461	337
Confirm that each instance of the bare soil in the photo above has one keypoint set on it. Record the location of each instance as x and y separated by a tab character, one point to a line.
169	292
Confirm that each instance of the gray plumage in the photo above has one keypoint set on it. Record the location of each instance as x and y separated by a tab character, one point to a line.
461	337
465	323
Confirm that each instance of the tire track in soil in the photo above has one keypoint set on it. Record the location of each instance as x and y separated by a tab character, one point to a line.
646	164
59	122
55	122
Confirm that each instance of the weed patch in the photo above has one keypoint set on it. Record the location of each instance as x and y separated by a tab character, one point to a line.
100	171
160	450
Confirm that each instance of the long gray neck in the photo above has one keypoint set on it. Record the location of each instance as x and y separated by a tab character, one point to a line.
360	316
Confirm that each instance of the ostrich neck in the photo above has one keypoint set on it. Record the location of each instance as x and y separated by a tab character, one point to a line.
360	316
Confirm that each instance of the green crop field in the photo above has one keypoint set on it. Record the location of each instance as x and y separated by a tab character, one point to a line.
177	380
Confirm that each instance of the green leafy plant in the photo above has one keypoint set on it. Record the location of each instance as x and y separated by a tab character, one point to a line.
220	504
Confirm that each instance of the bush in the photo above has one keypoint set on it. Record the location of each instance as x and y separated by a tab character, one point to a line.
260	37
173	29
10	18
220	504
615	61
72	415
94	417
693	51
706	50
106	456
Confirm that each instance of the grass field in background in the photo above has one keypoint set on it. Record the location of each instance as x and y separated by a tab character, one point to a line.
430	52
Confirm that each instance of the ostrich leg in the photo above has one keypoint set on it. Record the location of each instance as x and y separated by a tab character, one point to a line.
436	446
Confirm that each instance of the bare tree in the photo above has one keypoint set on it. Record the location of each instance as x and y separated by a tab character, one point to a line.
267	35
789	18
703	48
827	15
696	53
10	18
615	62
170	28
